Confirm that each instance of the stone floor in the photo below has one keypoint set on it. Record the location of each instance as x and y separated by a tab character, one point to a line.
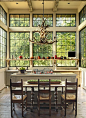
5	108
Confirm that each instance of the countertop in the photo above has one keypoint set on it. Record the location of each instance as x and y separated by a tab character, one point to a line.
38	75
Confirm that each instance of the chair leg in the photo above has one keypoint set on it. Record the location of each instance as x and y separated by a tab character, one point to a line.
11	110
38	108
76	109
50	108
22	109
26	103
73	105
65	108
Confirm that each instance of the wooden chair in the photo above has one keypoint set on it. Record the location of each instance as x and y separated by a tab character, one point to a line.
70	94
17	95
44	95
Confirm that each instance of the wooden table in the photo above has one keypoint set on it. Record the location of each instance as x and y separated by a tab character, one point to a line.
25	84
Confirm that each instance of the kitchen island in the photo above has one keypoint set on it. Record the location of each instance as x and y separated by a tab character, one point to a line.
26	76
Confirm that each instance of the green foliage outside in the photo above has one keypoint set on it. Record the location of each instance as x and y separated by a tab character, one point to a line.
19	46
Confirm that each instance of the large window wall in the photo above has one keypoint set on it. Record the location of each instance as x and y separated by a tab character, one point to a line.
66	42
82	15
19	46
3	15
3	47
83	48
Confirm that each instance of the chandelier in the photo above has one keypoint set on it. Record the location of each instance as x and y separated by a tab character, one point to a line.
43	33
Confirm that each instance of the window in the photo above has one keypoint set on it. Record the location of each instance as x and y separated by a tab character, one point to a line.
19	20
66	42
65	20
83	48
37	19
82	15
19	46
42	51
3	15
3	47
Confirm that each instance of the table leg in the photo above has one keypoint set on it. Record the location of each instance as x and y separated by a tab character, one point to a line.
32	98
56	98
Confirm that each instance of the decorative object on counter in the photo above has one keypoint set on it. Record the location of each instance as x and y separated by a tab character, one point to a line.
52	57
48	57
55	56
43	57
20	57
12	57
58	57
64	57
53	81
32	57
61	57
44	71
39	57
22	70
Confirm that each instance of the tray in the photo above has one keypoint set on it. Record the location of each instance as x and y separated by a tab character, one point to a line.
50	82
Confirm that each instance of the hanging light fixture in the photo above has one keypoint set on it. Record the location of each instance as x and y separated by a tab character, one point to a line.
43	33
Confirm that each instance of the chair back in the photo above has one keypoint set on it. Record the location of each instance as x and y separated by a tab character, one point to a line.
42	88
18	90
71	88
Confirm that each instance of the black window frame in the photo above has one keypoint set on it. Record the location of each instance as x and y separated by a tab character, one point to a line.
20	55
19	20
67	14
4	16
81	61
82	15
63	45
6	50
40	20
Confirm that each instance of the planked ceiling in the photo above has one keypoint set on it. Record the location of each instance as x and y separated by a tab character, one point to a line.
48	4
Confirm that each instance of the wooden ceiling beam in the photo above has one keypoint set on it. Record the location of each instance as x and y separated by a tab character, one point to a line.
30	5
55	5
12	0
35	0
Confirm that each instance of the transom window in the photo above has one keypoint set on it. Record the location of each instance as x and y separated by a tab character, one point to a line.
83	48
3	47
19	20
37	19
82	15
3	15
65	20
43	51
19	46
66	42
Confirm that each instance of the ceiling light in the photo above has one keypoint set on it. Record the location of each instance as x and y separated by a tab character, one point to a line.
43	33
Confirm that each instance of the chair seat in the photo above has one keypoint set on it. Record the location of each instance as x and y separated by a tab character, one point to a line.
19	97
68	97
44	97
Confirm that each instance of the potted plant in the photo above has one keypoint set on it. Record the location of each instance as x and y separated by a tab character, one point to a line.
22	69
